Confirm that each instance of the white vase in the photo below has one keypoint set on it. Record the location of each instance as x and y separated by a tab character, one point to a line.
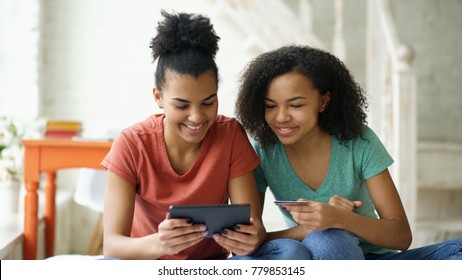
9	196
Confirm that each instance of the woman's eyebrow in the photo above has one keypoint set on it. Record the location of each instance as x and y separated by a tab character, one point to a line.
187	101
209	97
288	100
295	98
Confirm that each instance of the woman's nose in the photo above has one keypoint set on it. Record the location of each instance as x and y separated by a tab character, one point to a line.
282	115
196	115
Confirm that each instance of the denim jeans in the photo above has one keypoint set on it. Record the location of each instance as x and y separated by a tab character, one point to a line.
447	250
333	244
278	249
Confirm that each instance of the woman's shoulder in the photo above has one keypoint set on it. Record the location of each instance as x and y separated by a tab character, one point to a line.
369	137
365	136
226	120
151	126
269	152
368	142
147	126
227	125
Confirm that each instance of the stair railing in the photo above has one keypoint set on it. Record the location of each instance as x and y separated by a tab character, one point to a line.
391	85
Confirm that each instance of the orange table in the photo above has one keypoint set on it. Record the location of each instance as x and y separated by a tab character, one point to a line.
48	156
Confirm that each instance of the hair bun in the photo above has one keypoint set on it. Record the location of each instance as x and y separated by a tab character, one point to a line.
181	31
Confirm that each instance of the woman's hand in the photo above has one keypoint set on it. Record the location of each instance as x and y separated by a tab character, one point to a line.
243	240
175	235
320	216
344	203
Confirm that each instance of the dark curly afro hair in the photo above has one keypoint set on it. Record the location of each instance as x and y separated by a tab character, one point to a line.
185	43
345	114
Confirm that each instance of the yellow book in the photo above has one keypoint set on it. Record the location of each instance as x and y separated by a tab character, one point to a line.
64	125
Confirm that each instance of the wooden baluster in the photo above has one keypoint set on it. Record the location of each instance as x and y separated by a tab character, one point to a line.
50	210
338	42
305	13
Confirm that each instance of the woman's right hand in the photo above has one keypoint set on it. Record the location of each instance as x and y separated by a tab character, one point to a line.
175	235
318	215
346	204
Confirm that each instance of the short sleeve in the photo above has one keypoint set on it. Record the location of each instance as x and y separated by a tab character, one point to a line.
243	157
121	158
262	183
374	156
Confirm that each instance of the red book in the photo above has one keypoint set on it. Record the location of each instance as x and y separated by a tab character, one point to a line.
60	134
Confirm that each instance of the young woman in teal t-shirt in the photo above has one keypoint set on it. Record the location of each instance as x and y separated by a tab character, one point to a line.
307	117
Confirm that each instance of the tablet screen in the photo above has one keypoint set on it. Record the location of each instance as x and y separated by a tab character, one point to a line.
215	216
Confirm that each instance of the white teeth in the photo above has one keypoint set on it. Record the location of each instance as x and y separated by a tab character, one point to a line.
194	127
284	129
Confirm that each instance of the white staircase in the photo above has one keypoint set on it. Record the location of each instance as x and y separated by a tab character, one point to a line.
427	175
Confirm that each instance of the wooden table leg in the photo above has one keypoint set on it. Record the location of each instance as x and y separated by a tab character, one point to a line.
30	221
50	212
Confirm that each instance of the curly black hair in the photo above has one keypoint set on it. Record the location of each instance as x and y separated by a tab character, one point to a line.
345	114
185	43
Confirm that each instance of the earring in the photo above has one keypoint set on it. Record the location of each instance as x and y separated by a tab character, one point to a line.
322	109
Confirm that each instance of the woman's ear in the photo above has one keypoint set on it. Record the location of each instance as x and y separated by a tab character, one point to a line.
324	101
157	97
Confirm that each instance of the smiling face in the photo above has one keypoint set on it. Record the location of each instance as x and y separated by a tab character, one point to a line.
190	105
292	107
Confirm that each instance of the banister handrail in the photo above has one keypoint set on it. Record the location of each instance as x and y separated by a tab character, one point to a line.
388	27
391	82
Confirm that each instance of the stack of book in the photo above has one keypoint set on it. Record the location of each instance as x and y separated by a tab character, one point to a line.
63	129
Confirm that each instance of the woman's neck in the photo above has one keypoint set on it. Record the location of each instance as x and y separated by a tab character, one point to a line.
310	144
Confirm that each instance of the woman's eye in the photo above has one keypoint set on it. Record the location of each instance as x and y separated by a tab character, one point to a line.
181	107
296	105
270	106
207	103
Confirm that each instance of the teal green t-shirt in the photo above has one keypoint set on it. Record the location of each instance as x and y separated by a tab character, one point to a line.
351	164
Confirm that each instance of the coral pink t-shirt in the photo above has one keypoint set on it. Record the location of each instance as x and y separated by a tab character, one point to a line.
139	156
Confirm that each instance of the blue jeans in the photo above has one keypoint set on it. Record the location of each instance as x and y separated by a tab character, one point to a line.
278	249
333	244
447	250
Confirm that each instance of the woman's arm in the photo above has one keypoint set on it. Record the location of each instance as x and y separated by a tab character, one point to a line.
174	234
392	230
246	239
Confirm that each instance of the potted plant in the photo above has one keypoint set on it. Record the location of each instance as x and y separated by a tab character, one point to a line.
11	159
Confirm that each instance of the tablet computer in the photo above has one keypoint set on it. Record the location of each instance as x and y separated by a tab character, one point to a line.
215	216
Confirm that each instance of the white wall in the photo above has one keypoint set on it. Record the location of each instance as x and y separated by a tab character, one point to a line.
97	65
433	28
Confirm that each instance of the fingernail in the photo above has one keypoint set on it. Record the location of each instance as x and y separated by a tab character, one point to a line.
224	232
237	227
202	227
283	207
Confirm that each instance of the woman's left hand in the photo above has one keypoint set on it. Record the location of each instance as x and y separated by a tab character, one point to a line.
315	215
242	240
320	216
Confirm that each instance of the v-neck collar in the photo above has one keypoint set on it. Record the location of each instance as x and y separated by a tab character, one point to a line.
293	174
203	148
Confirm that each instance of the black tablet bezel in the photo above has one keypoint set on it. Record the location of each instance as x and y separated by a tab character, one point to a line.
215	216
